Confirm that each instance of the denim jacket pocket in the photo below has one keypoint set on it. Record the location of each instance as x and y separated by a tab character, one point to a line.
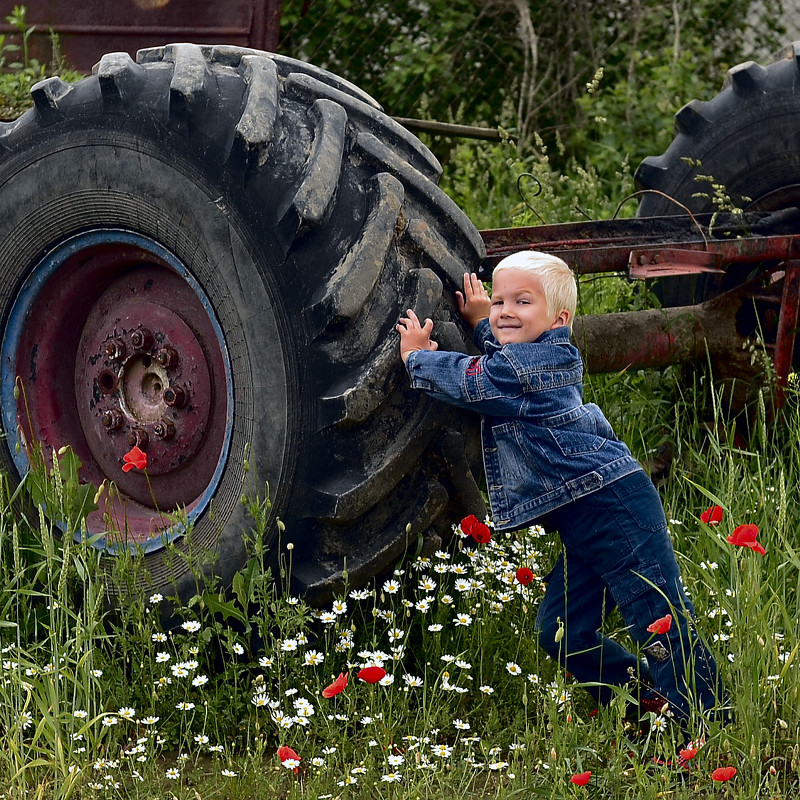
575	432
520	463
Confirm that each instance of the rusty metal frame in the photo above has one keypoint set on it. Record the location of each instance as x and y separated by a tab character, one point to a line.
84	41
663	247
787	326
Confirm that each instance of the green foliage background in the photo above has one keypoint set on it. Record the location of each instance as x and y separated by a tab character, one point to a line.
524	65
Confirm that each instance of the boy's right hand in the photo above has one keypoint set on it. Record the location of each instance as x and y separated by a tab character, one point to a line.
414	335
475	304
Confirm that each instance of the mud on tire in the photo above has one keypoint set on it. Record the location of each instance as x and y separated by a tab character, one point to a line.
206	252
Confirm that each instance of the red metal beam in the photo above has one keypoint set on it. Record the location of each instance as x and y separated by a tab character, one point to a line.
787	326
613	245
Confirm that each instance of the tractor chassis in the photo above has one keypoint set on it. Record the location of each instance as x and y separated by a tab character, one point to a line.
745	269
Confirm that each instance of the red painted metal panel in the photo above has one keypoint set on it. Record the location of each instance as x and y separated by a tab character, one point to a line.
664	262
91	28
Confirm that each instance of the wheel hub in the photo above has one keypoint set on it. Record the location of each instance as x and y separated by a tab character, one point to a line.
115	345
142	378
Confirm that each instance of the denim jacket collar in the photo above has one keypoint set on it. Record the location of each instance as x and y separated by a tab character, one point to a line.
560	335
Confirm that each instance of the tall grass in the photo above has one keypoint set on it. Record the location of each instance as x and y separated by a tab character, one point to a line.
97	702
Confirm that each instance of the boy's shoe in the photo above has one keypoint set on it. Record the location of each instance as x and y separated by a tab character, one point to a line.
649	701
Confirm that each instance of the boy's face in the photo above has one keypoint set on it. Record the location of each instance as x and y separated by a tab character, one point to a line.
519	309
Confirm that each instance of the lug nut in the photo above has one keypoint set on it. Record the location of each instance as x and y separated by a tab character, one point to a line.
138	438
142	339
107	381
164	429
115	349
167	357
112	419
175	396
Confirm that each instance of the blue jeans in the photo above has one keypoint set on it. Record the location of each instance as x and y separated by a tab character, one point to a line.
617	553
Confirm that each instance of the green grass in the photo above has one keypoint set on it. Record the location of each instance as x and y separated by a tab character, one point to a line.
98	702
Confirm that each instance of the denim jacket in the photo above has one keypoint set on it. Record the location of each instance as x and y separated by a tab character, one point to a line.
542	446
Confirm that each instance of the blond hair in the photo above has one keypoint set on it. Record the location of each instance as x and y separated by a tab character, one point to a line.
558	280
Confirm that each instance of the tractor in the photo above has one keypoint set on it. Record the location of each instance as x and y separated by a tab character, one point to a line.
203	254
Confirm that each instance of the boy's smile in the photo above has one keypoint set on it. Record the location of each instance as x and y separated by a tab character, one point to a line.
519	310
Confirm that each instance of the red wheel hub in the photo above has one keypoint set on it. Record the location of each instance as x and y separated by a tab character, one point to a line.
119	348
140	365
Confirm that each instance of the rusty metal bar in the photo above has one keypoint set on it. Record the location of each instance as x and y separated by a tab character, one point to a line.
611	245
265	31
787	326
591	257
143	31
669	261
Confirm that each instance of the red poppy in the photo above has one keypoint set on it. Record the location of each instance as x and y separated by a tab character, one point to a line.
337	687
285	753
661	625
712	516
745	536
134	458
581	779
689	752
723	773
371	674
476	529
524	576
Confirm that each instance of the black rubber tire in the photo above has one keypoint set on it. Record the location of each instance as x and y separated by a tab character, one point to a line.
310	220
747	139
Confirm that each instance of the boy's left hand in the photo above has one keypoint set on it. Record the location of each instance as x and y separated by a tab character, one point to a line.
475	304
414	335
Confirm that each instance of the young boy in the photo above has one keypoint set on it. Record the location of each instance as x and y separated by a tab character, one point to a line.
550	458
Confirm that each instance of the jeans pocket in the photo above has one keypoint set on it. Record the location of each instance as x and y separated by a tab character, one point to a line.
627	585
638	500
575	432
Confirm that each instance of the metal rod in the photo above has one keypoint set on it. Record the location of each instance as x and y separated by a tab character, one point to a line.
787	327
449	129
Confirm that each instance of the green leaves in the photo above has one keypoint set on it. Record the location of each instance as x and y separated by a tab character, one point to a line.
58	488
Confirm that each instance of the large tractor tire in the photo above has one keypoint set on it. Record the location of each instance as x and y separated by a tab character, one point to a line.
746	140
204	253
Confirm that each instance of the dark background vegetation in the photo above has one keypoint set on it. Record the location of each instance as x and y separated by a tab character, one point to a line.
524	65
520	65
